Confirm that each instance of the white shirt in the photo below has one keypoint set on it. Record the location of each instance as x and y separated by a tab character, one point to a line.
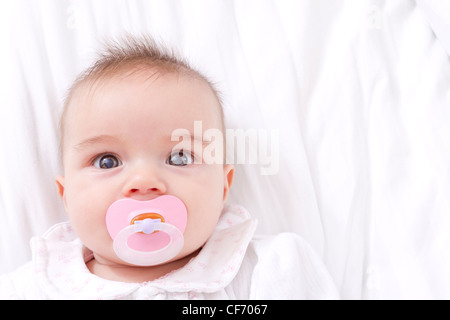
233	264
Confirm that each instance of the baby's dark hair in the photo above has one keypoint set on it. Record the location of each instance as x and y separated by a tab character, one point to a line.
134	54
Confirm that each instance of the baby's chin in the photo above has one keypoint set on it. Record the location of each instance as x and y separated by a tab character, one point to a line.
109	258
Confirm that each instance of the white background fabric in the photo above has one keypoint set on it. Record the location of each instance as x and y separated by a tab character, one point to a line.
358	91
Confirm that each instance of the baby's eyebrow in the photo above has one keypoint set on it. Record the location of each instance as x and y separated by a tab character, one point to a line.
94	140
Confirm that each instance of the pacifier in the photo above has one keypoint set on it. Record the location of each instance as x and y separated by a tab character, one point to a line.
147	233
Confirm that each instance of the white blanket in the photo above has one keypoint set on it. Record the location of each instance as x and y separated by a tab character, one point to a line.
358	91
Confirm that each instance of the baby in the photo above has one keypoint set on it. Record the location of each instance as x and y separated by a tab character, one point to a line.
117	143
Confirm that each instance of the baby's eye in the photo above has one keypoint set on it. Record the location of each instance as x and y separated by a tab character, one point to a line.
180	158
107	161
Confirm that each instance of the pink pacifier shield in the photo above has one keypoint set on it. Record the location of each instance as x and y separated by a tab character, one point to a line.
121	213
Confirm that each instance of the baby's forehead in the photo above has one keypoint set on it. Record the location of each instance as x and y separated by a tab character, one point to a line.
100	86
92	92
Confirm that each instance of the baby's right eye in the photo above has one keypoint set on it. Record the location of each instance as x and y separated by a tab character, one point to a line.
107	161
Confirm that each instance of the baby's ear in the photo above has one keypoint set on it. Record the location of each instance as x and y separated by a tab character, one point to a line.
228	175
60	184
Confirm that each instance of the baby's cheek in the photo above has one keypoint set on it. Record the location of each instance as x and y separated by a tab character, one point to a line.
203	213
92	233
86	215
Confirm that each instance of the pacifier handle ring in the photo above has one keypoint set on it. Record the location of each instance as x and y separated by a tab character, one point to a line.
148	258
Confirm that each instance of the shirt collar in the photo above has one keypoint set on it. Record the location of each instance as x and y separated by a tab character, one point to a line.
60	262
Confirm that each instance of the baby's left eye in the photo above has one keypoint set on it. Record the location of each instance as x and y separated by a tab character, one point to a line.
180	158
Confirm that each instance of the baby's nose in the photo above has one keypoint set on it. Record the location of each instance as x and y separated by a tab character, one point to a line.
144	182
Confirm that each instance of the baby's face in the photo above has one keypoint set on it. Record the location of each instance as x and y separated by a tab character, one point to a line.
117	144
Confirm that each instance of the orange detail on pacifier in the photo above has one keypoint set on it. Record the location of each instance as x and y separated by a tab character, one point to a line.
149	215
